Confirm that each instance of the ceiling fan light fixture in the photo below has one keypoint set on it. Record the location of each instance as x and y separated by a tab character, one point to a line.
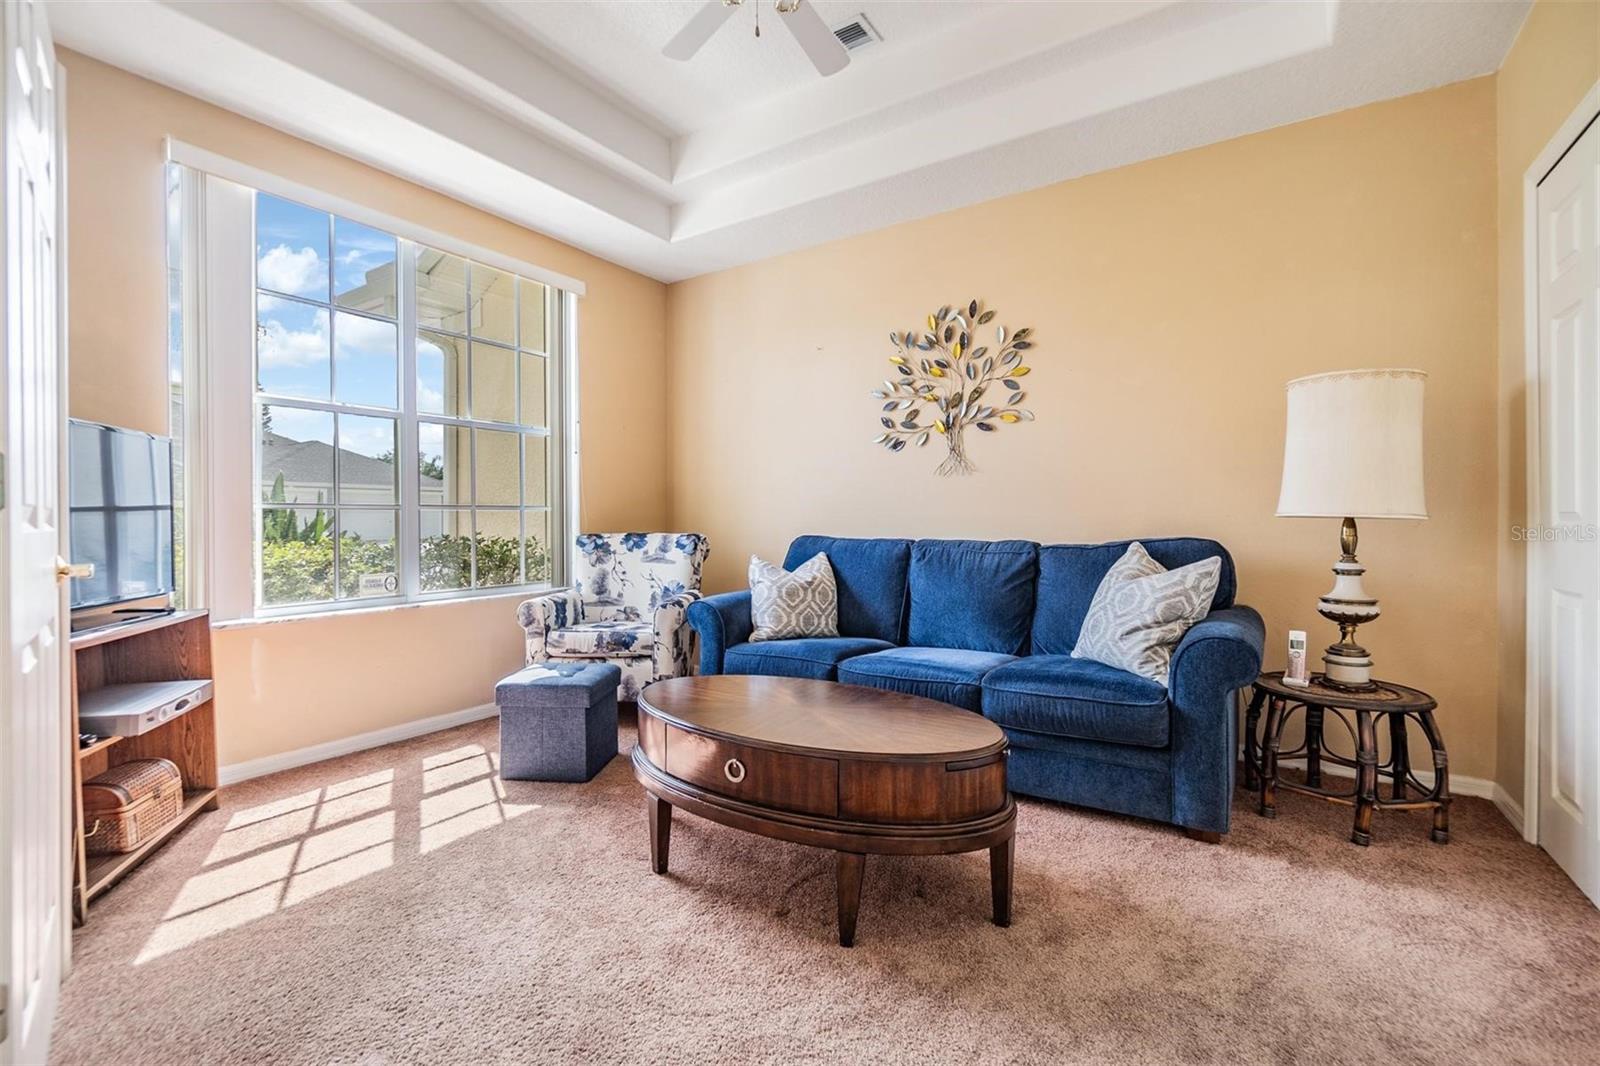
813	36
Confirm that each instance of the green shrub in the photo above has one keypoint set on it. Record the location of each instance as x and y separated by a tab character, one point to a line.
301	570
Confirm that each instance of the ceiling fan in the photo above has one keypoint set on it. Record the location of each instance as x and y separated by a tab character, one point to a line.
797	16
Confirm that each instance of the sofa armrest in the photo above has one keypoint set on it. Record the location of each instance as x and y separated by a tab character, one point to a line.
1214	660
671	655
538	616
721	621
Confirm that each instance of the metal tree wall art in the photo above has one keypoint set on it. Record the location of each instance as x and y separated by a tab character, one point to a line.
947	378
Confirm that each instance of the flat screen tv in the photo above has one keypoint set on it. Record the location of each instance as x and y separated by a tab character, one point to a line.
120	498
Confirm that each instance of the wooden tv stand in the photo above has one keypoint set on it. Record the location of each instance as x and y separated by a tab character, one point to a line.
166	647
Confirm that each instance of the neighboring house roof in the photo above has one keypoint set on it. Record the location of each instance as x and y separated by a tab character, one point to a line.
310	461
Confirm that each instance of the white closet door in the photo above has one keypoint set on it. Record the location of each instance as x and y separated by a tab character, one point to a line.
1566	592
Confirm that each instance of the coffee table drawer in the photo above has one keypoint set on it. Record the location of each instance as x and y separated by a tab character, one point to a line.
800	783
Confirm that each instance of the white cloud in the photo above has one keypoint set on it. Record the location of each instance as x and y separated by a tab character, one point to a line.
366	436
285	270
279	346
357	336
296	423
429	398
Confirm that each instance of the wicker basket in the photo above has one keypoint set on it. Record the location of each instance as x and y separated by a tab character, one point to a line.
130	803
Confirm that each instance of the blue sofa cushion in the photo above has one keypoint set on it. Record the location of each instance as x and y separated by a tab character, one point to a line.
814	657
950	675
871	578
973	594
1058	695
1070	573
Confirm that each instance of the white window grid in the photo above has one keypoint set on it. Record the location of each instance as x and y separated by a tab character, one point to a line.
408	507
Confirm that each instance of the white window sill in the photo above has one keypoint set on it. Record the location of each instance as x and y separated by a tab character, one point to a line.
351	612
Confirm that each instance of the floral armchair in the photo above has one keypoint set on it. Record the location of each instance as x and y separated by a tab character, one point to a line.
627	605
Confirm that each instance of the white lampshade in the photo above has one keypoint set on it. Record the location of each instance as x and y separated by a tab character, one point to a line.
1354	446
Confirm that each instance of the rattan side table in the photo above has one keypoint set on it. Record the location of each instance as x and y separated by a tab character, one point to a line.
1397	702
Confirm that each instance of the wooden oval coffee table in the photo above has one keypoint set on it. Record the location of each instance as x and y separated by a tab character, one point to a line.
858	770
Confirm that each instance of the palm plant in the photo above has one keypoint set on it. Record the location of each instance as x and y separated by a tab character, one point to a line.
280	523
945	381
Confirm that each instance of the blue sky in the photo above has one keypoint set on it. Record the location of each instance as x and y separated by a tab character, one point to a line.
366	360
358	249
293	345
293	348
291	248
292	253
298	354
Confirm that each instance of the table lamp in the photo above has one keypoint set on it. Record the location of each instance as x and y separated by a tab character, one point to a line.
1353	449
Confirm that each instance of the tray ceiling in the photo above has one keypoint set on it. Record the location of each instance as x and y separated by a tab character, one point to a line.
566	118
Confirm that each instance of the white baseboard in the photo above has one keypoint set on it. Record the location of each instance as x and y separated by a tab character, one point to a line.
1510	808
289	760
1460	785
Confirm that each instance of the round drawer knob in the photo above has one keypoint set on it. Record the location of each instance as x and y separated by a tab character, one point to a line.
734	769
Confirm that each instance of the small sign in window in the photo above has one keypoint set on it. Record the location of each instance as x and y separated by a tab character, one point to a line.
378	585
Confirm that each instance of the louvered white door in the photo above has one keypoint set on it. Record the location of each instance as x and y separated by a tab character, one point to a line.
34	742
1566	589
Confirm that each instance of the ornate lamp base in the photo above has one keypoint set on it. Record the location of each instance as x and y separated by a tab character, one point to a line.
1347	665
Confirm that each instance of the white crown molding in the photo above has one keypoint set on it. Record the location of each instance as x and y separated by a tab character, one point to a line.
1211	48
459	98
489	65
1014	36
270	63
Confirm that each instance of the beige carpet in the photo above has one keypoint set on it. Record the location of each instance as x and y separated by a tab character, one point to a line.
398	906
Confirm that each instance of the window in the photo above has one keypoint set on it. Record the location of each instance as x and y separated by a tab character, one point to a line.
175	377
375	413
343	379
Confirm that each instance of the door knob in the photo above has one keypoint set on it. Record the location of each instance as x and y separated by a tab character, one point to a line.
65	570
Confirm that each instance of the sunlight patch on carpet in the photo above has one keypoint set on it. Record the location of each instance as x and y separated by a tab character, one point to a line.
338	872
196	926
469	808
358	784
256	836
445	758
252	815
354	805
279	854
455	773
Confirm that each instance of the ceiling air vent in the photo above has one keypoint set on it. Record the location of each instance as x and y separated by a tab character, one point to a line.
857	34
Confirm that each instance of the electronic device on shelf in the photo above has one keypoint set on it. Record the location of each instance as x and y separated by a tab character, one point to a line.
131	709
122	524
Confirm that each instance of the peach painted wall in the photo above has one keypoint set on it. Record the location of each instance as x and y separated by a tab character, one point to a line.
290	684
1556	59
1171	301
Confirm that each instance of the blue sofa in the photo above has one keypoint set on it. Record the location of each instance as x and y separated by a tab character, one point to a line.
990	626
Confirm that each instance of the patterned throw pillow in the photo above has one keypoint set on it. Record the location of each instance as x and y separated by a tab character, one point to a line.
1141	610
803	602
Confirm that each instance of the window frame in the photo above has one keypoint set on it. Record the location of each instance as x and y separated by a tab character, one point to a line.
220	367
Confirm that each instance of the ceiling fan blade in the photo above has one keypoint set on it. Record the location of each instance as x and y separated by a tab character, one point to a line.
698	30
814	37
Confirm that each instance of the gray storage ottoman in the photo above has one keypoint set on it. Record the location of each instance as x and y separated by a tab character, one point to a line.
558	720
